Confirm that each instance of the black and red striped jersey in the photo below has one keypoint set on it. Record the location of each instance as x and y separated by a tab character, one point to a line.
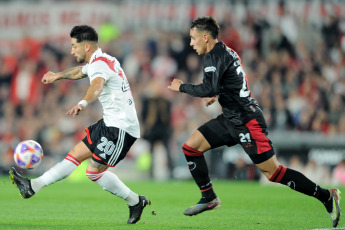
225	78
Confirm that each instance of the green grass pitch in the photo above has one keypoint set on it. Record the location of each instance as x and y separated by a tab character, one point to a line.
84	205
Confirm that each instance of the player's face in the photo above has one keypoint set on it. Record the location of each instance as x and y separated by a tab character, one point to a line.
78	50
197	41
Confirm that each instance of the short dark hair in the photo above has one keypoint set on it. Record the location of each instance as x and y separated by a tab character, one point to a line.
84	33
208	24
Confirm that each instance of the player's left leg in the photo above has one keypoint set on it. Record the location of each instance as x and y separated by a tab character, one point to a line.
97	172
255	142
110	182
277	173
109	146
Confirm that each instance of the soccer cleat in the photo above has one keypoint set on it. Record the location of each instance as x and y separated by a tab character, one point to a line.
136	210
333	207
201	207
22	183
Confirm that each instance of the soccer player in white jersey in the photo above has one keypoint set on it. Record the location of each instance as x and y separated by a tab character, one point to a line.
107	141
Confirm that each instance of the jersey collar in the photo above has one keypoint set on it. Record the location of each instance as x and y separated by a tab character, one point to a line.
219	43
95	55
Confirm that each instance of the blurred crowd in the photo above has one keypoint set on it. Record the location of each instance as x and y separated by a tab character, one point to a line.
295	69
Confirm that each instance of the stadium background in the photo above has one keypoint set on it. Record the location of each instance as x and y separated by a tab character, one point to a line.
292	52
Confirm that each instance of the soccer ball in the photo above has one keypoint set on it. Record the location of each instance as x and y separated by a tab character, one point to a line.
28	154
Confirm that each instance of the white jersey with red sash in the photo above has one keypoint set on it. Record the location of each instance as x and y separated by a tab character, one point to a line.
116	98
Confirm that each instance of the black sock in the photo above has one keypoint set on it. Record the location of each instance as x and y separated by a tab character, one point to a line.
198	168
297	181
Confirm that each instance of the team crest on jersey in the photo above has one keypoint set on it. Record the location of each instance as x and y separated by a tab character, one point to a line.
210	69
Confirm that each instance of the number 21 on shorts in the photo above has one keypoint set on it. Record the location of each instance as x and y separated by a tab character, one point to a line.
245	137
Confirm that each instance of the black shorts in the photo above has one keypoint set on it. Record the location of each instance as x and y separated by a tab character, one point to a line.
109	145
252	136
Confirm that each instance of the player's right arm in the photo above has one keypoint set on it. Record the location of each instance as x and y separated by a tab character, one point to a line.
75	73
93	92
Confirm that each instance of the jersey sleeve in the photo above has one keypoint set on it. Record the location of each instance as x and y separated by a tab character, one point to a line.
84	69
98	69
208	88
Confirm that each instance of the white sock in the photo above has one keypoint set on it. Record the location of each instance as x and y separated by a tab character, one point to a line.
58	172
110	182
132	199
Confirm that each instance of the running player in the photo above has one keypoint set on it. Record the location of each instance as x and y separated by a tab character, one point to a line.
107	141
241	122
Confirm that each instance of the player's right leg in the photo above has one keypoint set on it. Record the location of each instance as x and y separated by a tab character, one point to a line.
193	150
212	134
58	172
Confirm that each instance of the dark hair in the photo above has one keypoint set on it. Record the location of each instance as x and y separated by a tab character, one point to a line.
208	24
84	33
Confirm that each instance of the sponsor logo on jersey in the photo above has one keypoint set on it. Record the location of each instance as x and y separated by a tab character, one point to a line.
210	69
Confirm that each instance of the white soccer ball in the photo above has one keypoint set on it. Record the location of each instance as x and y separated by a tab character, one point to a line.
28	154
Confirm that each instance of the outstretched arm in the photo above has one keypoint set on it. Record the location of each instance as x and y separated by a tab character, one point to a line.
213	70
205	89
93	92
175	86
71	74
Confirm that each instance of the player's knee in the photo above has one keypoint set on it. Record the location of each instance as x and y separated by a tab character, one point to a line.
189	151
94	176
277	175
80	152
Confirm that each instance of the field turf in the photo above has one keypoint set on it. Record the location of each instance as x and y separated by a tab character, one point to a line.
84	205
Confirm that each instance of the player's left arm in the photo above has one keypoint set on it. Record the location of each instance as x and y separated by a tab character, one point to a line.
175	85
208	88
93	92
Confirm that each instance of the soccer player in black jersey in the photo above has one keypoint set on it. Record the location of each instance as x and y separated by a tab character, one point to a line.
241	122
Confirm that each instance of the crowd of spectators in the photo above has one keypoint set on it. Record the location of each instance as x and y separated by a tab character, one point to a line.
296	73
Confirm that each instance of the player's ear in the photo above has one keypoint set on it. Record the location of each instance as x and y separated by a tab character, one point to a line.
206	37
87	46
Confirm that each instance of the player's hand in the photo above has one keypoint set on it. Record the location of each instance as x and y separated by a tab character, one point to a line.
75	110
49	77
175	85
209	100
